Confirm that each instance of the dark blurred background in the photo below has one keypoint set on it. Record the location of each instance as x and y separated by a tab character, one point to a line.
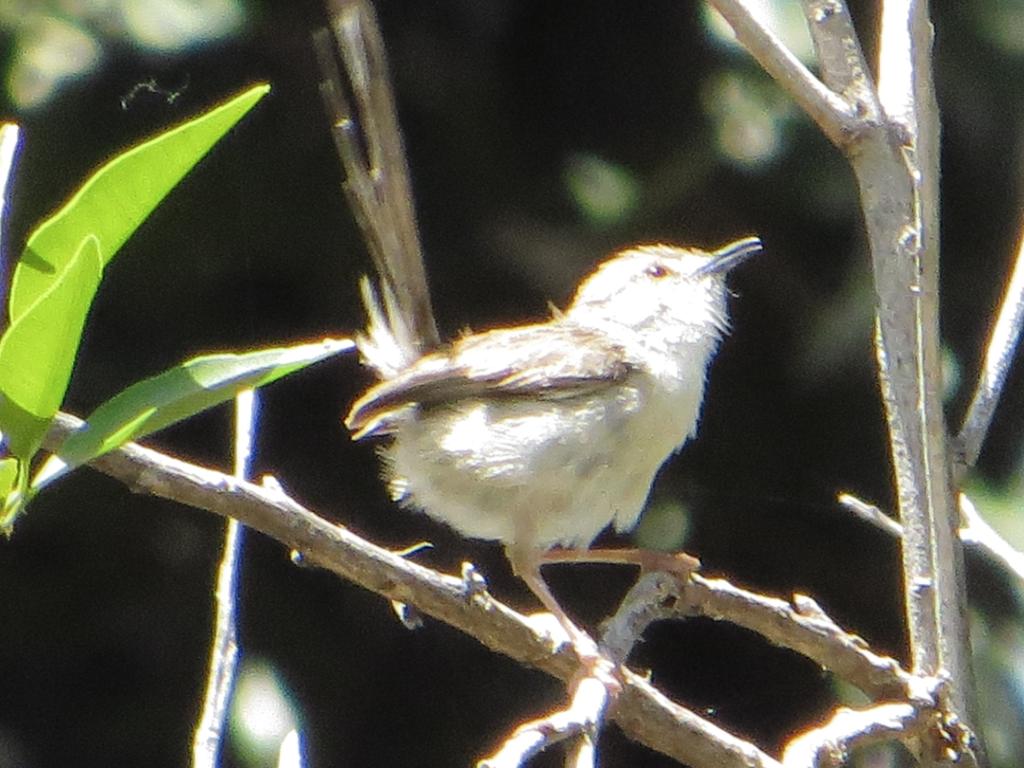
541	137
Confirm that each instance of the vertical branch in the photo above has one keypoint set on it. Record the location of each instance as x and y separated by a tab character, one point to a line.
890	182
224	651
895	160
934	578
893	149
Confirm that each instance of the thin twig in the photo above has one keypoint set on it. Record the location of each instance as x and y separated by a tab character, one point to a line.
841	59
800	625
655	596
1002	346
643	713
643	604
10	137
224	649
830	745
833	115
581	718
869	513
979	533
974	531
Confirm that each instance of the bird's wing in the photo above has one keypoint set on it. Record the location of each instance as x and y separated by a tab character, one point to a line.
500	363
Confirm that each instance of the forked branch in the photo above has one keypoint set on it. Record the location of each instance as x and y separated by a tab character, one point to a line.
893	151
644	714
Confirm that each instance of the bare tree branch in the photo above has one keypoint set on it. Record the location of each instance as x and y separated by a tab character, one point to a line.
646	601
998	356
893	149
832	114
643	713
841	60
581	718
974	531
801	626
934	576
871	514
650	718
978	532
682	734
830	745
223	664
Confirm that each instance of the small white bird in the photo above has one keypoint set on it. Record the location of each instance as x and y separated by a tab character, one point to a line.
542	435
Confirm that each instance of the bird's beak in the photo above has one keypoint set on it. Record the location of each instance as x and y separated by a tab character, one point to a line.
731	255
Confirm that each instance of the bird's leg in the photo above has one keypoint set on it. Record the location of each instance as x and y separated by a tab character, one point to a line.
678	563
526	564
583	642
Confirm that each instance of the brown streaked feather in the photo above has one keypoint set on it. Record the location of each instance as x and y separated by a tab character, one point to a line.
365	128
501	362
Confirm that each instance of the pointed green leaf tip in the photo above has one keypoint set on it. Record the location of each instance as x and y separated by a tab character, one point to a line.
119	196
57	276
176	394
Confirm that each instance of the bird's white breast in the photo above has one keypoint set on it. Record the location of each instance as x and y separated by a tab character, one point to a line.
544	472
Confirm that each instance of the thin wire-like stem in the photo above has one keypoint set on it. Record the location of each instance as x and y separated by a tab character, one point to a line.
10	138
974	532
224	649
869	513
998	356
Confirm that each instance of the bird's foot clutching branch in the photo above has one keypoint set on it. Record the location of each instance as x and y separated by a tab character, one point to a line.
600	679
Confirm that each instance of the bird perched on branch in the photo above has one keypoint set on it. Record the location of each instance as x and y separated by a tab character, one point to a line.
540	436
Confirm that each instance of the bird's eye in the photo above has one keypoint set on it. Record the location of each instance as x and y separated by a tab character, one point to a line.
657	270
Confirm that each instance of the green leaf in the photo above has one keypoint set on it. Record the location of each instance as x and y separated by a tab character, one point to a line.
56	279
8	475
180	392
118	197
37	352
12	491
